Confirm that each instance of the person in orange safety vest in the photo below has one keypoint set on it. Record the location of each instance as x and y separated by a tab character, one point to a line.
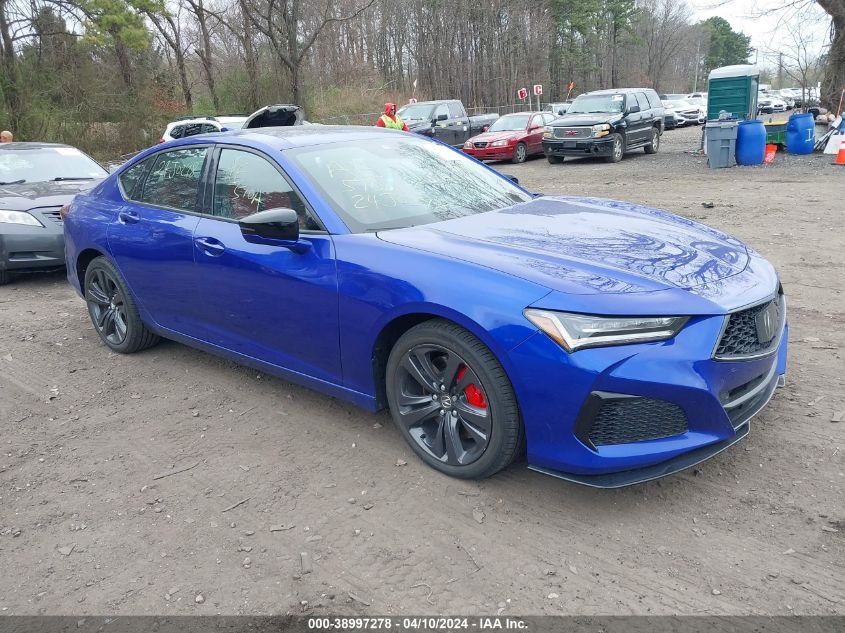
390	119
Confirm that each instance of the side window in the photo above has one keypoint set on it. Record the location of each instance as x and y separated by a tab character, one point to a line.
178	131
209	127
455	110
132	178
653	99
174	179
441	109
247	183
642	102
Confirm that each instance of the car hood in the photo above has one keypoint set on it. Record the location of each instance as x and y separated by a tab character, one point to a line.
585	246
31	195
578	120
489	137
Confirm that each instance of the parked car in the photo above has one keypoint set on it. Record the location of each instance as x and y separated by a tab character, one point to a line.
36	181
769	104
786	96
699	101
558	108
446	120
442	290
607	123
672	120
685	113
276	115
512	137
185	127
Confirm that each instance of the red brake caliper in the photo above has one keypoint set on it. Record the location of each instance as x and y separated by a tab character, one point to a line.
472	392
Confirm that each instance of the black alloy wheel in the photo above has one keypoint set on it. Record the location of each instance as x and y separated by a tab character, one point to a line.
107	306
452	401
112	309
443	406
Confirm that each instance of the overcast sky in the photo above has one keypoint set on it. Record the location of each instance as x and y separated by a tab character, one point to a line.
762	20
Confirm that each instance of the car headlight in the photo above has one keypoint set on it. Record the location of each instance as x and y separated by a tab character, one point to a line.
18	217
602	129
548	131
500	143
576	331
468	144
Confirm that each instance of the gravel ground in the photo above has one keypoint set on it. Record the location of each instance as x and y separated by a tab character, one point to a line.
280	474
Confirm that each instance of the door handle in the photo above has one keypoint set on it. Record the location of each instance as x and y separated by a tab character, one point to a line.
128	217
210	246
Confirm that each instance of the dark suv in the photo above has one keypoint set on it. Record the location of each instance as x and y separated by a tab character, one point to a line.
606	123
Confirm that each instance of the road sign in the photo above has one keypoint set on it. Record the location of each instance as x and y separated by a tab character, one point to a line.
538	89
522	93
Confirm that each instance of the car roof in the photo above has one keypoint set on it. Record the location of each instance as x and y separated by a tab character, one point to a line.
173	124
289	137
618	91
30	145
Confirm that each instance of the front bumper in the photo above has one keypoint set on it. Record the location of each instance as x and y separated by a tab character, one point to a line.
581	147
717	400
490	153
32	248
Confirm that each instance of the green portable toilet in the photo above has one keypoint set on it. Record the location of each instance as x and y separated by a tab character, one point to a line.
733	89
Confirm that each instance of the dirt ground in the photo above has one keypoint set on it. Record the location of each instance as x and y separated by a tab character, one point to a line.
86	528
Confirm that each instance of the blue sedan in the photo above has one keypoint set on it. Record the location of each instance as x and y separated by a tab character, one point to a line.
613	343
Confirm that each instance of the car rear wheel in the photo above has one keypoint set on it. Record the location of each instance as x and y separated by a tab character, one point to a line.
654	145
520	153
554	160
452	401
113	311
618	149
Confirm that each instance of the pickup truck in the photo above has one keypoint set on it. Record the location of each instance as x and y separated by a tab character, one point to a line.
445	120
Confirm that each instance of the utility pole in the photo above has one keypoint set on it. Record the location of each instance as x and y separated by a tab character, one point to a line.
780	70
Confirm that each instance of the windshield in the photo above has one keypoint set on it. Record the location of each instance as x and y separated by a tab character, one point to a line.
697	101
390	183
676	104
510	123
39	164
586	104
416	111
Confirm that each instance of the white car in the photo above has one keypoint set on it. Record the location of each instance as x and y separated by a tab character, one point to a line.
183	128
698	100
685	112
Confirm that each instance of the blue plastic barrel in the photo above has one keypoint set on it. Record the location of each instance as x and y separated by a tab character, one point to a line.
750	142
801	134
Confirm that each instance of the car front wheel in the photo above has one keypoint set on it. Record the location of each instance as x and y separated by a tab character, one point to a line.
618	149
654	145
520	153
113	311
452	401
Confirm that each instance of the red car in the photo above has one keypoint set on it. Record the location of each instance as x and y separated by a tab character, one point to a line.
512	137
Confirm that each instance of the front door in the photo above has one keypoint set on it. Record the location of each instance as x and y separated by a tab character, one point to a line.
151	238
260	300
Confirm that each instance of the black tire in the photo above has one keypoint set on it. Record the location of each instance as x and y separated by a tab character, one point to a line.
478	435
5	277
554	160
113	311
654	145
618	149
520	153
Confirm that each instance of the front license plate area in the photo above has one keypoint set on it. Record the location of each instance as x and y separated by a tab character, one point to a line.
569	145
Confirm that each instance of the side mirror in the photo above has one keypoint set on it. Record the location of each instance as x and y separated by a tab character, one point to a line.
276	227
535	127
442	117
224	129
633	109
484	128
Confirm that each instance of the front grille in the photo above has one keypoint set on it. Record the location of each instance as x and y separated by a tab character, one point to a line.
752	332
572	133
745	400
53	214
480	145
625	420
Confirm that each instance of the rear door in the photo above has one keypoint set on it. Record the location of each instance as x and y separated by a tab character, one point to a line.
263	300
151	239
638	127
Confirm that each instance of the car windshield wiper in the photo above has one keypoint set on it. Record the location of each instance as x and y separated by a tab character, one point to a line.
59	178
14	182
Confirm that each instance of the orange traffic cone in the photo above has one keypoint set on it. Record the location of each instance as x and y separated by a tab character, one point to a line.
840	157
